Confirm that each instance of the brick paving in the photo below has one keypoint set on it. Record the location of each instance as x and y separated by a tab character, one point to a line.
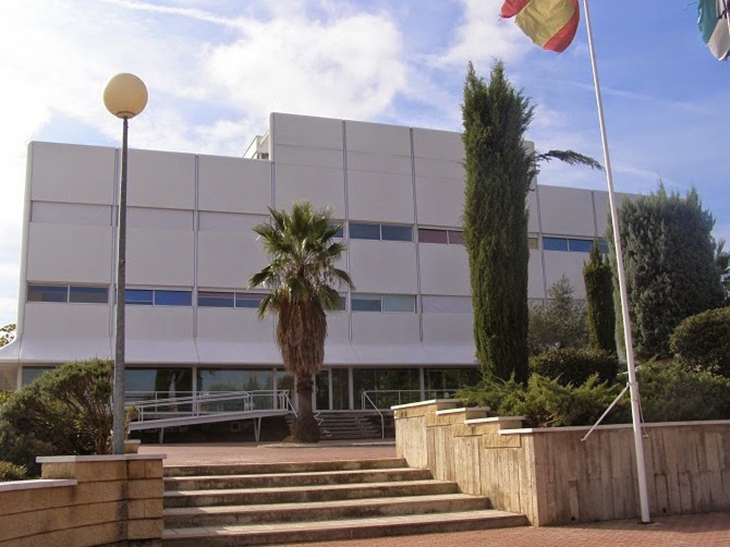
703	530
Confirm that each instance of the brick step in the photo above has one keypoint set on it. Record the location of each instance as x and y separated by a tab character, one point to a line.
329	510
225	482
306	494
274	468
332	530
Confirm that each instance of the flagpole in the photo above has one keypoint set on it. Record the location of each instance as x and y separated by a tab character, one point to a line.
633	385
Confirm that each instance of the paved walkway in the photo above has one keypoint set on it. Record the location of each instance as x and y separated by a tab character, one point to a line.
705	530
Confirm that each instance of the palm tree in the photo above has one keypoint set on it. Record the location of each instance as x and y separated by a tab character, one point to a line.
303	281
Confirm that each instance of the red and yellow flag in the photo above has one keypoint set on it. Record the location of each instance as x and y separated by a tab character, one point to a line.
551	24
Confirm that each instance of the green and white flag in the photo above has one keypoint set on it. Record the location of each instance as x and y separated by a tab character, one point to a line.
713	23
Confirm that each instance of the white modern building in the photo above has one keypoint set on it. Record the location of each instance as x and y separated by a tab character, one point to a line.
191	250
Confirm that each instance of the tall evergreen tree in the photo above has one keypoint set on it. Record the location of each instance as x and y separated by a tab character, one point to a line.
669	260
599	296
499	169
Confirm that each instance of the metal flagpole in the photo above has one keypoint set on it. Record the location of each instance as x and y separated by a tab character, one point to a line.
633	385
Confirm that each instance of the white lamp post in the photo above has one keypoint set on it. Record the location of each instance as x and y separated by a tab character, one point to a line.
125	96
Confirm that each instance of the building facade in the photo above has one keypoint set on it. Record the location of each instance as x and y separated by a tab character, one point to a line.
191	321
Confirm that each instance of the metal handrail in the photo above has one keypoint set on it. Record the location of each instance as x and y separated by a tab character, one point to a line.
365	397
400	392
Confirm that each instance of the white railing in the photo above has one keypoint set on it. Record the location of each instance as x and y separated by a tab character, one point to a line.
366	399
154	406
385	398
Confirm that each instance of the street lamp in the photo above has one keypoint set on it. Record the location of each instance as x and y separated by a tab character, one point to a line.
125	96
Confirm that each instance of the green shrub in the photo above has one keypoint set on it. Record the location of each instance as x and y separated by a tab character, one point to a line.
702	342
599	299
11	472
66	411
670	393
575	366
544	402
559	322
5	397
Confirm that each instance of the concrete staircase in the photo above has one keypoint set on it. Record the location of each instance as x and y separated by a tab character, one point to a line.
346	425
284	503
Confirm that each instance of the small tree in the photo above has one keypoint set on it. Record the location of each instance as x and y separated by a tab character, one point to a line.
499	170
558	323
669	260
302	278
599	298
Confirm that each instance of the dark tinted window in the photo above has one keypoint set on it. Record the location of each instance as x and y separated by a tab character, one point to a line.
456	237
248	300
397	233
339	232
364	231
365	303
210	299
426	235
580	245
138	296
173	298
90	295
555	244
47	293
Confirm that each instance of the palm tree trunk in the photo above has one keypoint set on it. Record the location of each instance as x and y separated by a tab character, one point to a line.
305	428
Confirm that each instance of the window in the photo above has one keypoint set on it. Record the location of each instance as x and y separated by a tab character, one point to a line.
47	293
173	298
456	237
397	303
249	300
339	233
446	304
365	302
580	245
532	243
428	235
89	295
212	299
343	303
397	233
364	231
142	297
555	244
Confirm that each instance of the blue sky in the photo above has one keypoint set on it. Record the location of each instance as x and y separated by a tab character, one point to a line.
216	68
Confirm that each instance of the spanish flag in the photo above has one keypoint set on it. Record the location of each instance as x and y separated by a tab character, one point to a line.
551	24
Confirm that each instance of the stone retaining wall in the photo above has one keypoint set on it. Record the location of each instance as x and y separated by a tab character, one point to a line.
553	477
84	501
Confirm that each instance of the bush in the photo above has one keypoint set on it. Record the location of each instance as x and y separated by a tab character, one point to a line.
544	402
702	342
599	298
5	397
11	472
575	366
669	393
67	411
560	322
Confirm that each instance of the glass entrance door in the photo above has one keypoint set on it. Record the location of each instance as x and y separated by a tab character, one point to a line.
322	390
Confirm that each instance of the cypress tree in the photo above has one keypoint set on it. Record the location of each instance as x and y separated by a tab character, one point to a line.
599	296
498	174
669	259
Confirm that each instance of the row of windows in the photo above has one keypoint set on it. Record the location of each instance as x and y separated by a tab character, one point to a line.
383	303
572	245
384	232
431	235
68	293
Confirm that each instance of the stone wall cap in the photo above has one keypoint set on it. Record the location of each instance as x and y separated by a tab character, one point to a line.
11	486
99	458
494	419
421	403
461	410
572	429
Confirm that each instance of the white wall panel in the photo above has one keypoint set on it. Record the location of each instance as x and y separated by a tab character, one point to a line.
161	334
72	173
69	253
602	209
440	201
230	222
233	184
383	266
321	187
383	338
426	167
305	131
309	155
71	213
444	328
382	163
161	179
533	222
566	211
378	138
432	143
535	285
558	263
380	197
444	269
228	259
337	348
235	336
160	257
165	219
